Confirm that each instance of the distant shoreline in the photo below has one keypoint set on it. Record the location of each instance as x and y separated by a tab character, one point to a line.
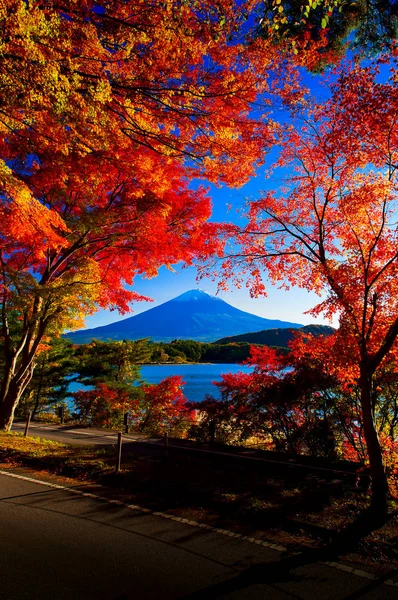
181	364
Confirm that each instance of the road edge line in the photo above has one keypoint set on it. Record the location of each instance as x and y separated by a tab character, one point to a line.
226	532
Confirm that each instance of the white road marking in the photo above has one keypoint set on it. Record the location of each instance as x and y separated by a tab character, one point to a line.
250	540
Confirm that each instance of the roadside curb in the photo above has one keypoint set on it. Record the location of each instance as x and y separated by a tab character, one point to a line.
332	564
359	573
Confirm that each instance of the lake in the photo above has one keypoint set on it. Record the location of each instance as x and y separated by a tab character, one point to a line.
198	378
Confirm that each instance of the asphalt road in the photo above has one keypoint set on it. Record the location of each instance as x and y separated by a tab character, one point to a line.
80	436
58	545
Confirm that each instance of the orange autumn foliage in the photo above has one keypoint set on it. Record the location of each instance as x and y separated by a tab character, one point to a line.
108	111
333	229
158	409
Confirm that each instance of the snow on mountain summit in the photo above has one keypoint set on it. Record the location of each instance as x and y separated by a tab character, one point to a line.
195	295
194	315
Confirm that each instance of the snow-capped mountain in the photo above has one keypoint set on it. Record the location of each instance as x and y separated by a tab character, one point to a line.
193	315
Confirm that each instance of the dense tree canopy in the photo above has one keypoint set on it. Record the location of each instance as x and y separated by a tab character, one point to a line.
108	110
333	228
366	26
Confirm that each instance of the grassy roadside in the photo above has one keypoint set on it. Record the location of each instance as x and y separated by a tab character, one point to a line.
291	508
53	457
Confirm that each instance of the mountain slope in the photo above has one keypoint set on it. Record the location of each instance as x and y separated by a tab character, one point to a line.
194	315
276	337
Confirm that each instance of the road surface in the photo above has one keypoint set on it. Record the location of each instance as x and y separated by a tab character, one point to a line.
60	545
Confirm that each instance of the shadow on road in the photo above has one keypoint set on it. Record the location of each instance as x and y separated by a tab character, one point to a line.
282	571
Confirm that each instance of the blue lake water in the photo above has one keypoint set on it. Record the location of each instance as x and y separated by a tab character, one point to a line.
198	378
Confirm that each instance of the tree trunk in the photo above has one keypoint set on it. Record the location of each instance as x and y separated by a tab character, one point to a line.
8	405
380	491
38	392
12	393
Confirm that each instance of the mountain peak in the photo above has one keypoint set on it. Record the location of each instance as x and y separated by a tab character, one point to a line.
194	315
192	295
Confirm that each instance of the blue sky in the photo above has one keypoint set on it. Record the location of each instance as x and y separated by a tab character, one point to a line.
279	304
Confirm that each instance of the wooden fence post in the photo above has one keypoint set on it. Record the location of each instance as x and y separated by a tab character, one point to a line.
27	423
119	451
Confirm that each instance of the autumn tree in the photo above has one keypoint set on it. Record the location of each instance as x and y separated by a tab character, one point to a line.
332	230
288	401
308	401
103	406
320	32
215	422
163	408
108	111
151	408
